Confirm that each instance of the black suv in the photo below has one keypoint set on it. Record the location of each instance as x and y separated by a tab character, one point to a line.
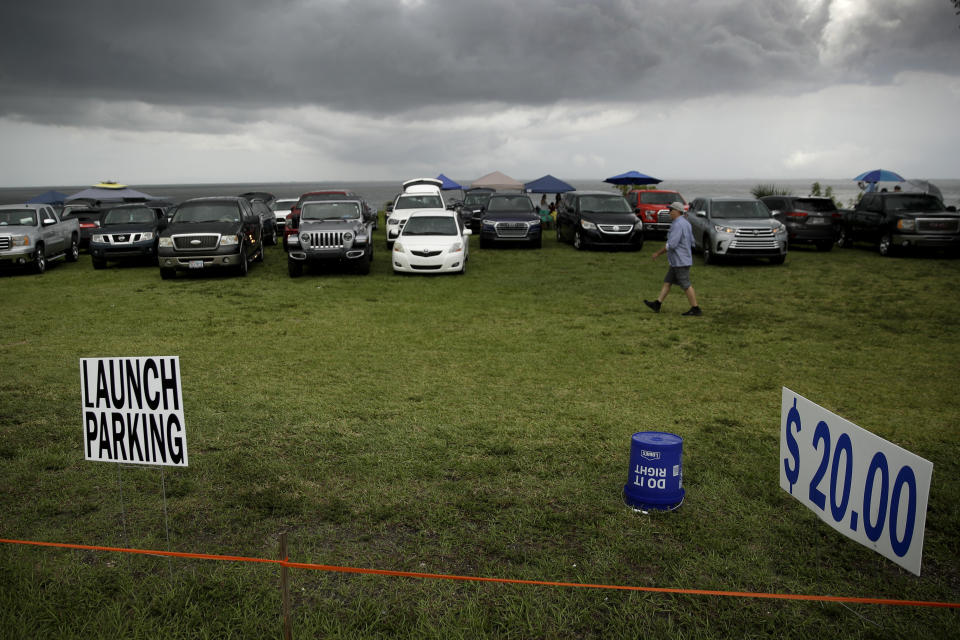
474	204
211	233
128	232
510	217
895	221
808	220
598	219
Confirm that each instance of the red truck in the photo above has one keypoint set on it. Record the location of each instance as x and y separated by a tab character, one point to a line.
650	205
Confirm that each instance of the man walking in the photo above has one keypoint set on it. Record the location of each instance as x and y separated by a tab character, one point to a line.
679	250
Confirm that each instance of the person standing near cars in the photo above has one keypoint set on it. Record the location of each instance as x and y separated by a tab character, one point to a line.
679	250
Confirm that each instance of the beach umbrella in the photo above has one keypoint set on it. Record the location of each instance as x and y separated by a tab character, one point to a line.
547	184
497	180
879	175
48	197
924	186
633	177
448	184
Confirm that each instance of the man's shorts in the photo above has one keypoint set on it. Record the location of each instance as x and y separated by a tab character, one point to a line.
679	276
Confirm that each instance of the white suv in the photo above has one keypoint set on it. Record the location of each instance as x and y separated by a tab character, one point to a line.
418	194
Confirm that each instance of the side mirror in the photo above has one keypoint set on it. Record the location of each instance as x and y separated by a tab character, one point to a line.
701	214
48	221
467	232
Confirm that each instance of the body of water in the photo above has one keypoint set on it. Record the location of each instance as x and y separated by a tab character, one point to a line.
379	192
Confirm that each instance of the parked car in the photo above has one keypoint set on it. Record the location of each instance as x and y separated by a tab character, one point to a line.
268	220
293	218
651	206
598	219
34	234
211	233
510	217
736	227
809	220
431	241
87	218
281	209
419	193
894	221
267	197
127	232
474	204
332	231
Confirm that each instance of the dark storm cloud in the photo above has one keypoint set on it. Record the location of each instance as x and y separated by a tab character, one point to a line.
63	61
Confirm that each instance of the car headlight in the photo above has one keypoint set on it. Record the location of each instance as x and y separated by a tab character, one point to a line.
397	247
456	247
722	229
489	223
229	240
147	235
586	224
906	225
392	221
348	236
638	225
20	241
165	242
98	238
293	239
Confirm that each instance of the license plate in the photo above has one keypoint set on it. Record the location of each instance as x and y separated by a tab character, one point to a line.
196	264
817	221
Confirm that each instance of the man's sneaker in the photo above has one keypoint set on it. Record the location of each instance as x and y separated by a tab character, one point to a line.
694	311
655	305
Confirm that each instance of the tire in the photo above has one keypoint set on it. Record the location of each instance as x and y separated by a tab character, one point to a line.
39	260
578	243
363	265
99	264
844	241
886	246
167	274
73	251
778	260
538	243
463	268
294	268
243	268
708	256
259	256
559	237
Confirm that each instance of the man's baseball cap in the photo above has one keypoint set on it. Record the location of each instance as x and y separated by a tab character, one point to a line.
677	206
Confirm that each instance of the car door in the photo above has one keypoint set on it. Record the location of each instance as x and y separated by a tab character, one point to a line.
252	227
869	218
52	233
697	221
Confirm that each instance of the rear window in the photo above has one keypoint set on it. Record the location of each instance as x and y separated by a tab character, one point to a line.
814	205
425	201
18	216
208	212
660	198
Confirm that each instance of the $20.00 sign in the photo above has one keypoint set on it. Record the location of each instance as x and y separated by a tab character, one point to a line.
868	489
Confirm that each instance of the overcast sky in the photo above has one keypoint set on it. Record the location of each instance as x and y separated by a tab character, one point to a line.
325	90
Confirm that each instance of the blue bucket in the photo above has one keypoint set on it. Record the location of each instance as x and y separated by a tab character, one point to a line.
655	480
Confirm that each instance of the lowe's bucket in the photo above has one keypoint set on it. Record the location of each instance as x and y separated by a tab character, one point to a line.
655	480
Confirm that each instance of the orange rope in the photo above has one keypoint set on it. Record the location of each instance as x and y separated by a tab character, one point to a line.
440	576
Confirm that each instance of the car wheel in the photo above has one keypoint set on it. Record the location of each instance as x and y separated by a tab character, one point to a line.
578	241
98	263
708	257
244	265
294	268
778	259
73	252
886	245
167	274
538	243
463	268
39	260
259	256
844	241
559	237
363	264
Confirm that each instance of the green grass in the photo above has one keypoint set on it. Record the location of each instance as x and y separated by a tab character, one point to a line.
475	425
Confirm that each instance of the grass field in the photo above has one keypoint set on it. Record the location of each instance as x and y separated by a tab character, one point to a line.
476	425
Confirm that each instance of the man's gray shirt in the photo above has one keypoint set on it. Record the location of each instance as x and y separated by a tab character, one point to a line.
680	243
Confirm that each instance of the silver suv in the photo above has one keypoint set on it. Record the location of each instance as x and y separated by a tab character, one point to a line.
736	227
332	231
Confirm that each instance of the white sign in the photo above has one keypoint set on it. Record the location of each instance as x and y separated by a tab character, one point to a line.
868	489
133	410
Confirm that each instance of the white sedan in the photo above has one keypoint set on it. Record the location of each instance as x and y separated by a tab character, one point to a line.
431	241
281	208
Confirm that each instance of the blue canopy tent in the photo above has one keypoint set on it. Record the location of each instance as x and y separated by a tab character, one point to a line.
110	192
448	184
48	197
633	177
547	184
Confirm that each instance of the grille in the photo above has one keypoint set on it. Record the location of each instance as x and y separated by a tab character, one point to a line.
325	239
5	242
203	241
663	216
427	253
425	267
754	239
512	229
620	229
123	238
938	225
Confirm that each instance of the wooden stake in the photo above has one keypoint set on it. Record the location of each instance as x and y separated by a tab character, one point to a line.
285	589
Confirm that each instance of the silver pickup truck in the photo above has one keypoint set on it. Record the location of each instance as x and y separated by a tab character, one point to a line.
33	234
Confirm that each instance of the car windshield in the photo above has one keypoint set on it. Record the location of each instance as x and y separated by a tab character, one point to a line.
659	197
207	212
139	215
430	226
425	201
18	216
604	204
739	209
913	202
509	203
814	205
330	211
476	199
282	205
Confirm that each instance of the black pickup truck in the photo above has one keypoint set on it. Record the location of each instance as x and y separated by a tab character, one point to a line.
899	221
